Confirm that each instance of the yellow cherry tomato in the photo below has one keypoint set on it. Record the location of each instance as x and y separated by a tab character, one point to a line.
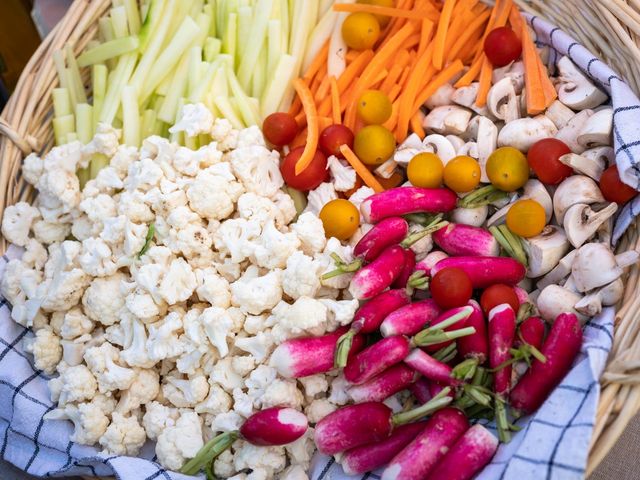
508	169
526	218
374	107
374	144
340	219
462	174
360	31
425	170
383	20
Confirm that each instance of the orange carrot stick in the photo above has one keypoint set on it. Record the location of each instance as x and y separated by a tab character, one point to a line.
393	119
351	55
470	30
378	10
360	169
295	107
309	107
319	60
324	122
485	82
516	21
335	102
392	78
411	89
416	124
323	89
394	92
444	76
534	91
441	33
471	74
425	35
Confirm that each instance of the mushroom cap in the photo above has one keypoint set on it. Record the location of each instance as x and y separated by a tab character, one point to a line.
576	90
554	300
594	266
597	129
581	222
573	190
544	251
524	132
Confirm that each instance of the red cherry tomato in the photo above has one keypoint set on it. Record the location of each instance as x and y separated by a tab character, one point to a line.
333	137
613	189
311	177
543	158
451	287
280	128
502	46
497	295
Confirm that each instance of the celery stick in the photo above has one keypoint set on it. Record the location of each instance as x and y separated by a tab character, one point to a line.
182	10
191	142
249	115
165	84
99	82
83	174
275	47
148	123
133	16
204	24
61	102
196	8
255	41
130	117
61	66
285	19
212	48
119	21
258	78
71	137
121	76
320	35
108	50
204	139
117	3
220	85
227	111
274	92
244	31
170	56
230	35
84	122
195	57
160	128
152	20
62	126
105	29
98	162
213	12
93	44
73	88
199	92
75	72
169	108
221	14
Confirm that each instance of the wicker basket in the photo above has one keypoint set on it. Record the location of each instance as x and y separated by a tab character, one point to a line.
609	28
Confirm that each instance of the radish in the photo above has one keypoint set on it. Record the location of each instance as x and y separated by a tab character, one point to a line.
389	231
383	385
376	359
502	329
531	332
421	389
440	332
417	460
468	456
301	357
369	457
371	280
402	200
521	293
368	319
485	271
369	422
407	269
410	319
465	240
270	427
431	368
560	349
419	279
475	346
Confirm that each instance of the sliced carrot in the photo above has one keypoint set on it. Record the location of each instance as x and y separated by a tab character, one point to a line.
360	169
503	13
394	92
425	35
323	89
516	21
336	114
295	107
319	60
444	76
324	122
378	10
309	107
393	119
485	82
470	30
550	93
378	79
405	74
351	55
534	91
441	33
392	78
300	140
393	181
411	89
416	124
471	75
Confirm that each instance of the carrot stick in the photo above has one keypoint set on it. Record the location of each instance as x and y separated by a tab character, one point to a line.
485	82
336	114
441	33
515	19
360	169
534	91
405	74
440	79
470	30
393	181
503	14
322	90
416	124
324	122
300	139
295	107
392	78
351	55
378	10
393	119
309	107
394	92
319	60
550	93
471	74
411	90
379	78
425	35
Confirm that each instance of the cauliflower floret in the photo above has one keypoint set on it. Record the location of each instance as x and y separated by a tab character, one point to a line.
274	247
339	387
344	177
46	349
75	324
143	175
314	385
307	316
64	291
82	228
341	312
345	252
123	157
223	373
125	436
59	188
32	168
181	441
109	179
96	258
194	119
213	288
282	393
105	141
102	363
244	365
145	388
90	421
193	241
50	232
294	472
10	282
318	198
361	195
76	384
103	299
235	238
310	231
214	192
286	205
259	346
189	162
254	324
217	402
185	393
301	277
178	283
318	409
423	246
223	465
17	221
259	209
157	418
136	355
258	169
142	305
224	133
163	337
255	294
250	136
99	208
218	325
35	255
271	459
133	206
242	403
226	422
302	450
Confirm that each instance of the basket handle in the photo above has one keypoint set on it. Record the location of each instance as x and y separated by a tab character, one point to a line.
27	145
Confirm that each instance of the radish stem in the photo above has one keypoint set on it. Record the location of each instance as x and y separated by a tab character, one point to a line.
512	244
439	401
481	197
209	452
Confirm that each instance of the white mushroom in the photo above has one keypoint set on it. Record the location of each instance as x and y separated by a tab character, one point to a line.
559	114
447	119
513	71
581	222
439	145
502	101
591	167
569	133
456	141
576	91
466	97
387	169
544	251
570	284
524	132
575	189
486	139
535	190
604	153
625	259
441	97
594	266
411	146
608	295
469	149
470	216
597	129
559	272
554	300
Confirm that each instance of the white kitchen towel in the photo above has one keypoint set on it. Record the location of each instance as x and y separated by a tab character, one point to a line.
553	443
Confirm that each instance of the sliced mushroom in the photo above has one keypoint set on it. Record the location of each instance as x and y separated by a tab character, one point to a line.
581	222
604	233
470	149
439	145
466	97
559	114
544	251
442	97
625	259
514	71
502	101
500	216
586	166
456	141
408	149
524	132
470	216
576	91
487	139
597	129
570	284
535	190
594	266
569	133
573	190
604	154
560	272
608	295
554	300
449	119
387	169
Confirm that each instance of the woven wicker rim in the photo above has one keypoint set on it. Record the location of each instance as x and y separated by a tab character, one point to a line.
608	28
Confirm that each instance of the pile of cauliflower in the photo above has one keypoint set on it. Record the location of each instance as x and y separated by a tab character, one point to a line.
157	293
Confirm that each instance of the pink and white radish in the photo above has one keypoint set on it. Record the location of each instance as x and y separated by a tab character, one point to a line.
376	359
372	456
418	459
383	385
374	278
427	263
403	200
465	240
407	269
560	349
467	456
410	319
531	332
502	330
368	318
476	346
301	357
444	329
485	271
430	368
421	389
389	231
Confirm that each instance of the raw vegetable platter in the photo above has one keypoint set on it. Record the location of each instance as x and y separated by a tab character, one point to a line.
274	230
